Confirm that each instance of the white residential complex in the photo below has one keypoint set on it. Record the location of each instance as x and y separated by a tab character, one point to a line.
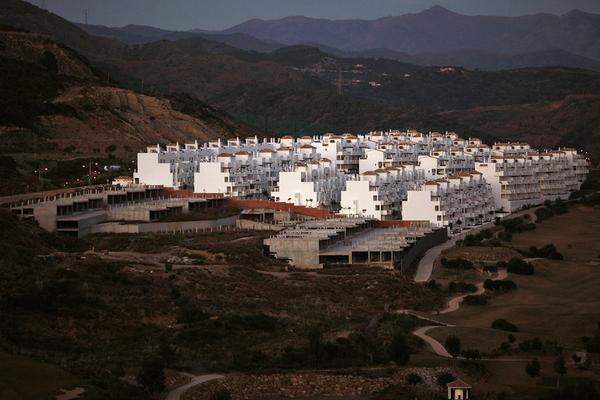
436	177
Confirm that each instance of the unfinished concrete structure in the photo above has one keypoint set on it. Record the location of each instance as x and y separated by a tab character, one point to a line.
75	213
354	241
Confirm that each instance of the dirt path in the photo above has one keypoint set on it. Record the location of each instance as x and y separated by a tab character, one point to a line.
453	305
176	393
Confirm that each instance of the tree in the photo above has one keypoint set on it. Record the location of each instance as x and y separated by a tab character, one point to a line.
221	394
560	368
315	342
452	345
533	368
49	62
413	379
152	375
399	351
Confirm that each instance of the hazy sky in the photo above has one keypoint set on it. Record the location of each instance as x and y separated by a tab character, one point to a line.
219	14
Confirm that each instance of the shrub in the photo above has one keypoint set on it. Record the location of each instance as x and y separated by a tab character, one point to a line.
454	287
452	345
516	225
505	236
413	379
445	378
111	148
221	394
456	263
499	286
472	354
534	344
548	251
398	351
473	300
152	376
533	368
518	266
504	325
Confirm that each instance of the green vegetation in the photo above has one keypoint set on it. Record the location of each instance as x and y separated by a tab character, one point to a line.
452	345
476	300
504	325
551	209
460	287
548	251
533	368
476	239
499	285
445	378
517	225
457	263
519	266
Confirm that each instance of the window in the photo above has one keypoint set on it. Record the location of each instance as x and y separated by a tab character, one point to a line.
439	217
437	208
226	179
375	198
377	207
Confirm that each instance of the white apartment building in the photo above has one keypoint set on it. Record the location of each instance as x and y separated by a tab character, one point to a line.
380	174
525	178
458	202
311	184
379	194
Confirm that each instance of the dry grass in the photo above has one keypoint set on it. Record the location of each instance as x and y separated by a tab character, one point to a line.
560	301
22	378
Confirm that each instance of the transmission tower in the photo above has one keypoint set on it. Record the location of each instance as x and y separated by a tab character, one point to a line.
85	16
43	4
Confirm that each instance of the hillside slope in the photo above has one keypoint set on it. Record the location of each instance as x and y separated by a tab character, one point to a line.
573	121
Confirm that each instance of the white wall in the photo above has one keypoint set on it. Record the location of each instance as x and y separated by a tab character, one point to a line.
291	187
357	198
151	172
210	179
419	207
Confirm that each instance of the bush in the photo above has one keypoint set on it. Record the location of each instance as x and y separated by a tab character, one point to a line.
518	266
473	300
413	379
533	368
398	351
504	325
472	354
454	287
452	345
445	378
499	286
457	263
221	394
516	225
152	376
534	344
548	251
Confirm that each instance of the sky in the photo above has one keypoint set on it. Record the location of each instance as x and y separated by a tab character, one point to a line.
221	14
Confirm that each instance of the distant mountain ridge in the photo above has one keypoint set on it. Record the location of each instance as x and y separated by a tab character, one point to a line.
544	54
438	30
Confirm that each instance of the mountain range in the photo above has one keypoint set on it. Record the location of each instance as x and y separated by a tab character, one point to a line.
435	36
438	30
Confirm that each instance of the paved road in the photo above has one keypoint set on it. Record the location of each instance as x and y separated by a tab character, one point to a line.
176	393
